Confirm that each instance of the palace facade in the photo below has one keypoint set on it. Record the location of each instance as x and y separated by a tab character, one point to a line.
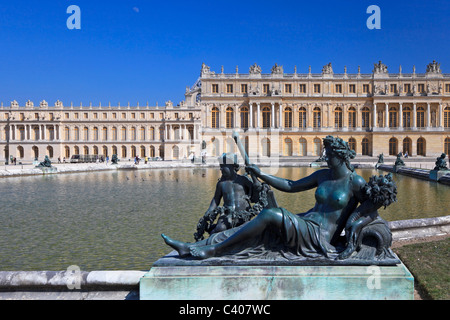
277	114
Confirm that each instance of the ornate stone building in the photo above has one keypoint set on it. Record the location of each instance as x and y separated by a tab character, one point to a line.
288	114
277	114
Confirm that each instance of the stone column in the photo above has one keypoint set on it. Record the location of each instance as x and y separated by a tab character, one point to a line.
280	115
374	118
441	116
258	122
414	116
428	115
400	117
272	123
250	115
386	114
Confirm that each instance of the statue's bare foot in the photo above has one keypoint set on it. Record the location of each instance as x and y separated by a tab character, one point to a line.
203	252
181	247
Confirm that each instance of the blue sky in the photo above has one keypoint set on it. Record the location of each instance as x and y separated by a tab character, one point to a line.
143	50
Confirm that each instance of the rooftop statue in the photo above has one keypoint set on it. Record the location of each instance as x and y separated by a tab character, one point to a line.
344	201
440	163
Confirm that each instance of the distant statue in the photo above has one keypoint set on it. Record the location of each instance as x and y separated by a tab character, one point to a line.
399	161
114	159
45	164
343	201
237	193
440	163
380	159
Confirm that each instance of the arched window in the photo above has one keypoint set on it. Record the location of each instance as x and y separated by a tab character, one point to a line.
229	116
215	118
420	117
20	151
50	152
365	147
392	117
86	134
338	117
303	147
352	144
365	118
67	152
352	117
95	150
447	117
266	117
76	133
124	152
133	152
152	152
76	150
114	134
393	147
95	134
175	152
265	147
114	150
105	151
317	147
85	150
124	134
407	146
406	117
421	147
152	133
447	146
142	151
317	118
288	147
302	117
66	134
244	117
142	134
133	134
105	134
288	117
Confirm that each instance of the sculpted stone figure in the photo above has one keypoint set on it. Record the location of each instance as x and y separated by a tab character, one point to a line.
399	161
343	201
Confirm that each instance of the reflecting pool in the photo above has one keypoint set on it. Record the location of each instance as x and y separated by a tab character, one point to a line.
113	220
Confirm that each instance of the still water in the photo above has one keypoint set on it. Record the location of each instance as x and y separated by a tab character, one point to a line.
113	220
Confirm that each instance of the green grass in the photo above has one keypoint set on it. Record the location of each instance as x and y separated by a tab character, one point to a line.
429	264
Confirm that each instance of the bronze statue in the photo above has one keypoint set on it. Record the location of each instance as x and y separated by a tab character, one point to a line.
440	163
340	194
45	164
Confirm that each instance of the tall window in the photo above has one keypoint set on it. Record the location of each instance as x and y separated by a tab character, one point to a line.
288	88
365	117
338	117
447	117
114	134
421	150
303	146
407	117
266	88
288	147
352	144
244	117
105	134
339	88
352	117
229	88
215	118
288	117
142	133
124	133
229	113
244	88
407	143
152	133
365	148
95	134
316	117
302	88
393	150
265	144
215	88
317	147
66	134
302	117
420	117
266	117
317	88
447	146
392	117
85	133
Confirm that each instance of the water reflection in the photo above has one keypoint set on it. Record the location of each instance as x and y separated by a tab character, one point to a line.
113	220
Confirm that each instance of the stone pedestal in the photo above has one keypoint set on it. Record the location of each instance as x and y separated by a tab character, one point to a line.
435	175
270	282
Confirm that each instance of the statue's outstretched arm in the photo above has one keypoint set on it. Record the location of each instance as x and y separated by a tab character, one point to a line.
287	185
